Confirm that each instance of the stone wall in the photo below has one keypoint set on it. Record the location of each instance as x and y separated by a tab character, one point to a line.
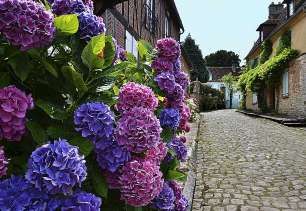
249	102
295	103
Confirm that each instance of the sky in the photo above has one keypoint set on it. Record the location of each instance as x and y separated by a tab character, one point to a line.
223	24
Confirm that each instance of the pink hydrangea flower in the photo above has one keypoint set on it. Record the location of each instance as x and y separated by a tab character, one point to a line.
185	116
14	105
135	95
141	182
3	162
157	154
138	130
168	48
161	64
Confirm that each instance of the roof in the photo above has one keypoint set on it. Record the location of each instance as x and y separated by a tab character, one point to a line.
176	13
283	22
269	22
218	72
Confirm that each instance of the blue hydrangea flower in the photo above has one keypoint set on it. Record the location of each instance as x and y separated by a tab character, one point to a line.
56	168
170	118
179	149
82	201
17	194
166	199
90	26
61	7
95	121
112	156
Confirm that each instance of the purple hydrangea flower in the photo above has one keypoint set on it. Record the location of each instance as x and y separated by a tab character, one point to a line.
135	95
166	82
179	149
56	168
82	201
112	157
90	26
185	116
26	24
166	199
182	204
157	154
89	5
61	7
168	48
177	65
14	105
141	182
17	194
3	162
95	121
122	54
161	64
138	130
170	118
177	96
117	51
182	79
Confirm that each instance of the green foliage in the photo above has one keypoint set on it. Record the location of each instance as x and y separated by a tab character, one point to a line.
144	49
38	133
194	54
266	51
285	42
211	99
223	58
254	78
67	24
229	81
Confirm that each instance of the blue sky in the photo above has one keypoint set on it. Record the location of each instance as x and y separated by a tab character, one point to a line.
223	24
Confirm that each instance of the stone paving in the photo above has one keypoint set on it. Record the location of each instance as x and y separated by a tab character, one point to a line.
249	164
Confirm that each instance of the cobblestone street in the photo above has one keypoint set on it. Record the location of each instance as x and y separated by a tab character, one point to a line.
249	164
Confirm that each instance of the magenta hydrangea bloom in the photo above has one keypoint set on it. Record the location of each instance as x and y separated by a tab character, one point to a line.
26	24
135	95
166	82
14	105
61	7
161	64
141	182
56	168
185	116
3	162
168	48
182	79
176	97
113	179
157	154
138	130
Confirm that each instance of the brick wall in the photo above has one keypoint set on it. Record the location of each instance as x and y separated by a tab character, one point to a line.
295	103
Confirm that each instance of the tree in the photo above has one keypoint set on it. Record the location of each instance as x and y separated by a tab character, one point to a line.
195	56
223	58
230	82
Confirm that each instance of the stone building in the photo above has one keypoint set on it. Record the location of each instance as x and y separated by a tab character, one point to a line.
289	95
150	20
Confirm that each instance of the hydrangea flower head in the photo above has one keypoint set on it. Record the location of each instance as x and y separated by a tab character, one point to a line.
122	54
56	168
166	199
166	82
161	64
157	154
179	148
185	116
138	130
135	95
14	105
177	65
182	204
90	25
170	118
112	179
3	162
82	201
112	157
89	4
94	121
177	96
26	24
141	182
169	49
61	7
182	79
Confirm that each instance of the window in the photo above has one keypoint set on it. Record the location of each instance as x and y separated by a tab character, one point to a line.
290	8
261	36
285	83
150	15
131	44
167	25
255	100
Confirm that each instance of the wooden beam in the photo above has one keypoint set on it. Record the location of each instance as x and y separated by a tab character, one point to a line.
102	5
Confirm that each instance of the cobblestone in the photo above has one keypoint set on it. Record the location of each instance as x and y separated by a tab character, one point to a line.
249	164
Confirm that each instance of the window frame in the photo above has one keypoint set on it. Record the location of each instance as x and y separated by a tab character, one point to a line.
131	44
285	83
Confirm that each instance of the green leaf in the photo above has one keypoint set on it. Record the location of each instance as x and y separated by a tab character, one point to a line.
67	24
22	65
131	58
76	78
144	48
53	111
92	55
38	133
98	181
109	51
167	134
176	175
50	68
5	79
85	146
55	132
116	90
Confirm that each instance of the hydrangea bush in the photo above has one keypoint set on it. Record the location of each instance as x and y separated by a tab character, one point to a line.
83	124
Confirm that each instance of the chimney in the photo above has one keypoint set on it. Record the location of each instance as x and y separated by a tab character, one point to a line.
275	10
